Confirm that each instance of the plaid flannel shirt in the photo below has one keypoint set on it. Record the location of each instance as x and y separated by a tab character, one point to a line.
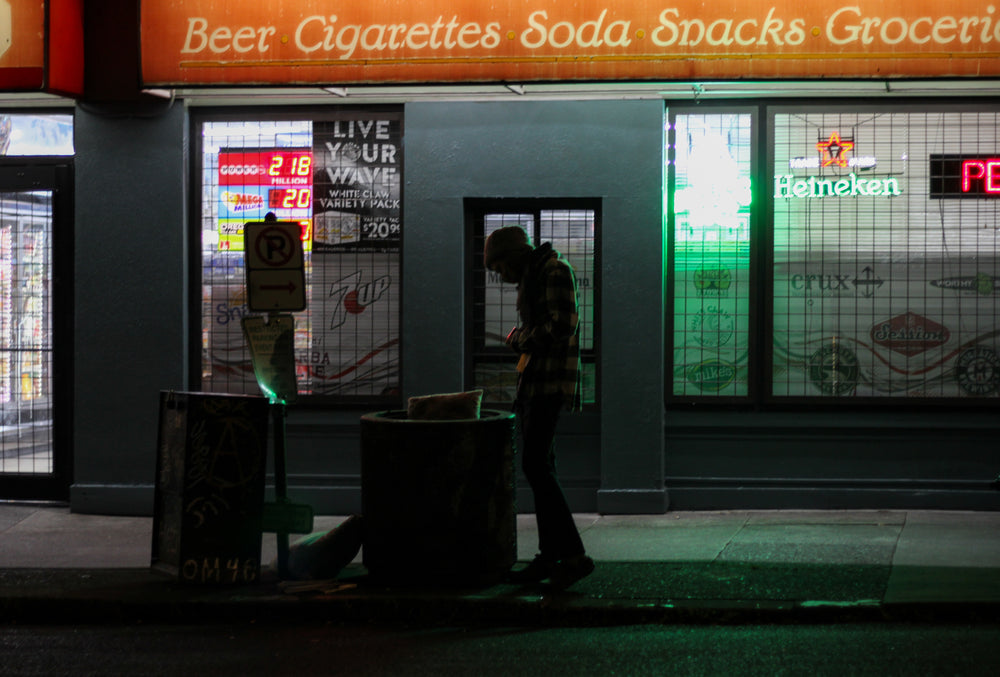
547	304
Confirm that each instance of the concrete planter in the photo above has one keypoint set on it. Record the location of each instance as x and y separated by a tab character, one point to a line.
438	498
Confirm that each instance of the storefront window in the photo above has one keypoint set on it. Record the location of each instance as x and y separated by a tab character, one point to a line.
338	175
711	254
885	254
570	226
877	252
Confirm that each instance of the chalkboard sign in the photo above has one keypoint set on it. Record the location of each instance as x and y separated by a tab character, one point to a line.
211	460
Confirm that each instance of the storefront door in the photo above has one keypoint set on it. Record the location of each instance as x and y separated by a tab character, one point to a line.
35	323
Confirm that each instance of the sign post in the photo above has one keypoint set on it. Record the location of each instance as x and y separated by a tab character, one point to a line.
275	277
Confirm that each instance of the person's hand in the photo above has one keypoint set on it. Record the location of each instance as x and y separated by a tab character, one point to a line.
513	338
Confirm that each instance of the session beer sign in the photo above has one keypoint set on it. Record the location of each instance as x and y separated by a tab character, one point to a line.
398	41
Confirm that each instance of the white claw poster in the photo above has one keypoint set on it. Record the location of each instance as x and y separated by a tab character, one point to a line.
355	258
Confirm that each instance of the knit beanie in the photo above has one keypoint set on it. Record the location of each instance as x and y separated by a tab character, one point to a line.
502	242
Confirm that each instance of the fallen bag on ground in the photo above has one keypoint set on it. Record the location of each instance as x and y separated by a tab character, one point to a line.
323	555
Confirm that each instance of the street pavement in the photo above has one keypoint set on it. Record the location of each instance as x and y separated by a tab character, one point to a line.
58	567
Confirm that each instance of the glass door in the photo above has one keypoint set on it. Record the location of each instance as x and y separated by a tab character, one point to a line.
34	461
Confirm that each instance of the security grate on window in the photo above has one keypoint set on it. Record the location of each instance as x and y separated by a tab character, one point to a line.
885	254
571	227
26	395
711	261
871	273
338	175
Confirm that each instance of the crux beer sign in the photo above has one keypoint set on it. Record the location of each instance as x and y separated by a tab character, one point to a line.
909	334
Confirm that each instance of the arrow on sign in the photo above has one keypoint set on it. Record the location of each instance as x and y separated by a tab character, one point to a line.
278	287
865	285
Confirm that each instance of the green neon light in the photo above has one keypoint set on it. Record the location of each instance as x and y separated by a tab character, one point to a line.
786	186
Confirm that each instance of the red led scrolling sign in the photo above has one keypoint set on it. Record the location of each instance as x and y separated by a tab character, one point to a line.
960	176
985	171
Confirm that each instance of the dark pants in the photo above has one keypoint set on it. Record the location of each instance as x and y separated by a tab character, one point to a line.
557	534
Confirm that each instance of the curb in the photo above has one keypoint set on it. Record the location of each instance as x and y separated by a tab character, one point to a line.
44	597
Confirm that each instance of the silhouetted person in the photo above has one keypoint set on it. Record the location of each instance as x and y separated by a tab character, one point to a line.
549	378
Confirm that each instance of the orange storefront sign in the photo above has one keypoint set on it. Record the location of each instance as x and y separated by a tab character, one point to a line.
41	46
22	45
400	41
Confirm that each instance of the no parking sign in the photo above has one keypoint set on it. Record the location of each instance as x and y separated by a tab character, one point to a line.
274	266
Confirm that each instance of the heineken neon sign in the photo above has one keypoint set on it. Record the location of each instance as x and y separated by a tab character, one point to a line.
852	185
833	153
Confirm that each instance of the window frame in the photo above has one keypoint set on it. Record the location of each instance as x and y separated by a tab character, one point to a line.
755	330
476	210
762	302
54	174
198	118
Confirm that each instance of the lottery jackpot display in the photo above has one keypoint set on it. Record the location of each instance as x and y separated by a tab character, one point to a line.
253	182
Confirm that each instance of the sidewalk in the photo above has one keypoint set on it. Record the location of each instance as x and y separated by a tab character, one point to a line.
732	566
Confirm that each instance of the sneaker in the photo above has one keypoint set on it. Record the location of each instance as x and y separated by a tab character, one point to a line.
568	571
537	570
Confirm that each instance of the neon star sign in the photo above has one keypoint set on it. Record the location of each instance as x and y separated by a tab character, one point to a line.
833	151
